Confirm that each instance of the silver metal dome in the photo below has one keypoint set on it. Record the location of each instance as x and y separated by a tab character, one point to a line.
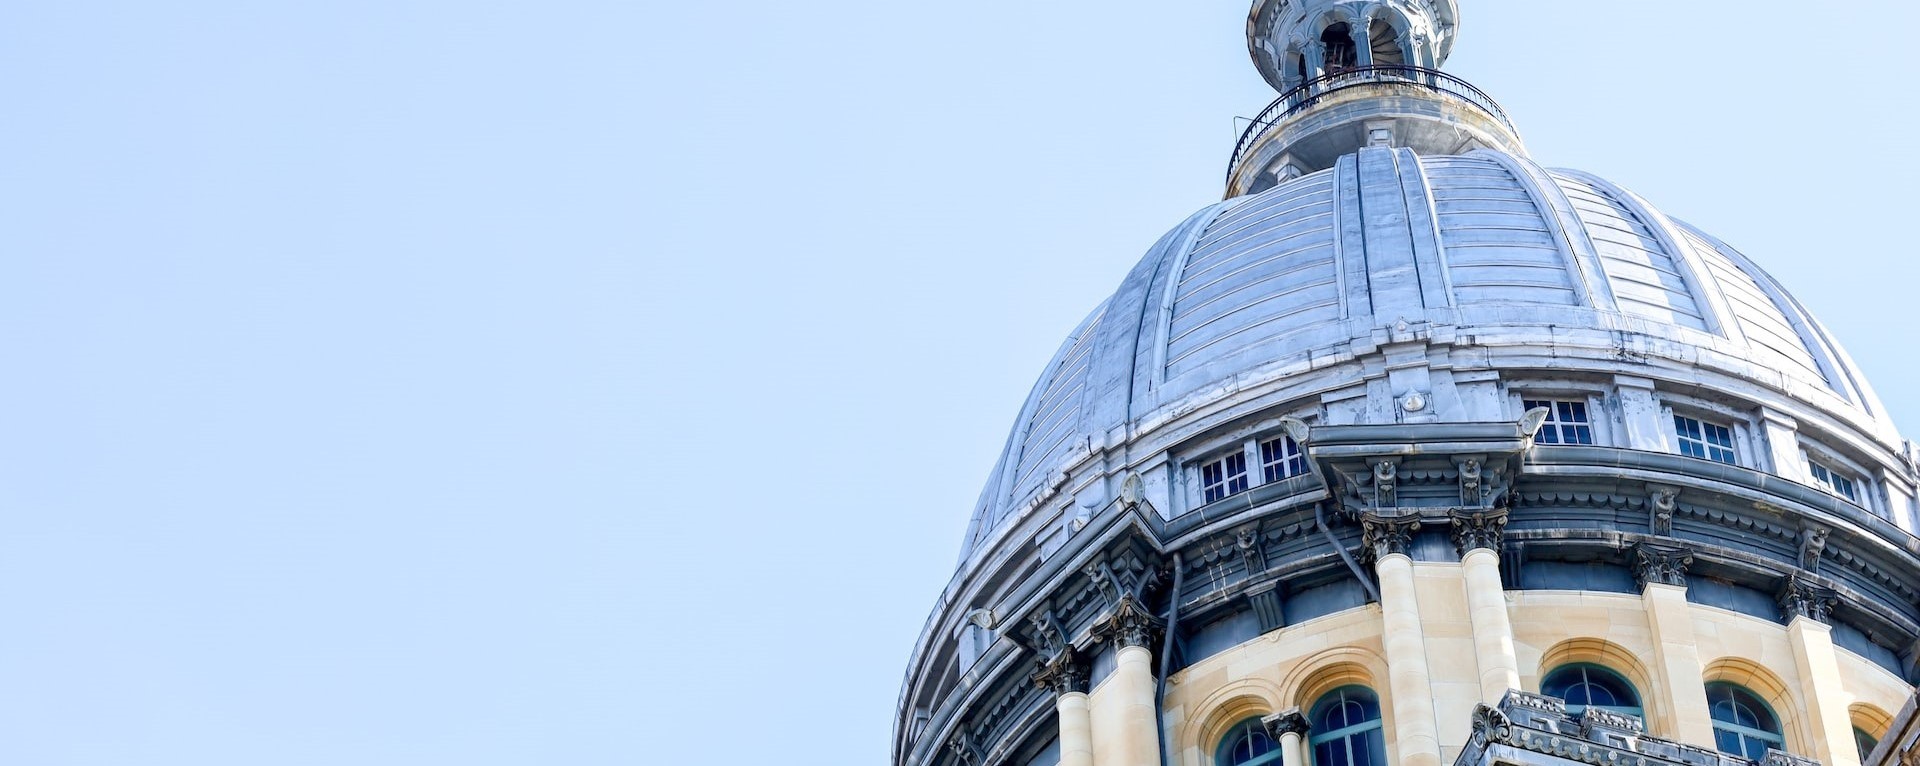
1537	268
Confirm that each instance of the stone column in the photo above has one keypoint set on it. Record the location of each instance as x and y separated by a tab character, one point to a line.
1361	30
1289	729
1316	60
1066	676
1125	732
1662	572
1410	684
1807	605
1478	537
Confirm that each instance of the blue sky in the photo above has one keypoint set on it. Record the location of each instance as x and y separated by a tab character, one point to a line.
609	383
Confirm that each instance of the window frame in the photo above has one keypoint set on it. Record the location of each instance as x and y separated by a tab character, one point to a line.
1638	711
1774	739
1600	420
1375	726
1221	756
1866	489
1553	402
1245	443
1739	432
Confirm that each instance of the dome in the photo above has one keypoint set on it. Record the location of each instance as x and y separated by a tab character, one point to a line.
1495	255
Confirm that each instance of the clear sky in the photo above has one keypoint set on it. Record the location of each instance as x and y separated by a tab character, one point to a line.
479	383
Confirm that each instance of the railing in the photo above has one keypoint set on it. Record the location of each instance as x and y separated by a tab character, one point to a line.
1309	93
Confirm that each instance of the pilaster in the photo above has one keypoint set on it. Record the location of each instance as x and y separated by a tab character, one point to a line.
1827	698
1676	662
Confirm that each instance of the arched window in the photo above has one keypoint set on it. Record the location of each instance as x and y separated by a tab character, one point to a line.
1742	724
1585	685
1864	741
1247	744
1347	730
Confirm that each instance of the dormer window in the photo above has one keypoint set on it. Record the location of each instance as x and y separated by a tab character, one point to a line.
1281	459
1224	477
1566	423
1833	480
1703	439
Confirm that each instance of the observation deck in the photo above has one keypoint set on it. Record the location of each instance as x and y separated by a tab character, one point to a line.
1314	123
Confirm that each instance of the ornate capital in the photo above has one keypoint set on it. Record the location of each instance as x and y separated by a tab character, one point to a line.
1484	529
1129	624
1383	536
1064	674
1660	564
1800	596
1286	722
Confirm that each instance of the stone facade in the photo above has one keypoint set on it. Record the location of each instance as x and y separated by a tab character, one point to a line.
1419	430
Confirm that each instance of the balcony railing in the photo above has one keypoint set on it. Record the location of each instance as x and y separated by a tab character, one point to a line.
1309	93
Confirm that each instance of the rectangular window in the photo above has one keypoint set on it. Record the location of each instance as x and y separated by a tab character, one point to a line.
1834	481
1280	459
1224	477
1701	439
1567	423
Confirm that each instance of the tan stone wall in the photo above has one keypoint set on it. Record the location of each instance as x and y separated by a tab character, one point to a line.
1291	667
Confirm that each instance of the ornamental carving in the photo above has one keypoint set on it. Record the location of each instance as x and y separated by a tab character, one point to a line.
1064	674
1491	725
1471	495
1800	596
1045	627
1600	718
966	747
1483	529
1662	503
1248	542
1813	540
1383	536
1129	624
1386	479
1660	564
1289	721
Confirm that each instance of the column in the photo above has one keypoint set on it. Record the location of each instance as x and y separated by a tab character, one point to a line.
1478	536
1662	572
1808	605
1361	30
1066	676
1289	729
1410	685
1125	730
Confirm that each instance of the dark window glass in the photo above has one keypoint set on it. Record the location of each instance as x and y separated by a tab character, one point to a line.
1583	685
1566	422
1247	744
1280	458
1742	724
1347	729
1224	477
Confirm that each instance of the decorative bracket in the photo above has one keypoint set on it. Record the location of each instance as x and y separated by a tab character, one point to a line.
1248	541
1661	503
1386	479
1666	565
966	747
1813	540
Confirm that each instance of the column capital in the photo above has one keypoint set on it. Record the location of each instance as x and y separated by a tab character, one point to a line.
1800	596
1662	564
1128	624
1064	674
1383	536
1285	722
1479	529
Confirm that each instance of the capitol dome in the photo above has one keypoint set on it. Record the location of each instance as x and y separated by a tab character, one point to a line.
1524	263
1413	452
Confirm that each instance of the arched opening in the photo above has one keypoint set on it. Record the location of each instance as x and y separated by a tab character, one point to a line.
1584	685
1347	729
1341	53
1247	744
1869	725
1384	42
1743	724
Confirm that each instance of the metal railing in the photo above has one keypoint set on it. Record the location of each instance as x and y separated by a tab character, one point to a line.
1307	94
